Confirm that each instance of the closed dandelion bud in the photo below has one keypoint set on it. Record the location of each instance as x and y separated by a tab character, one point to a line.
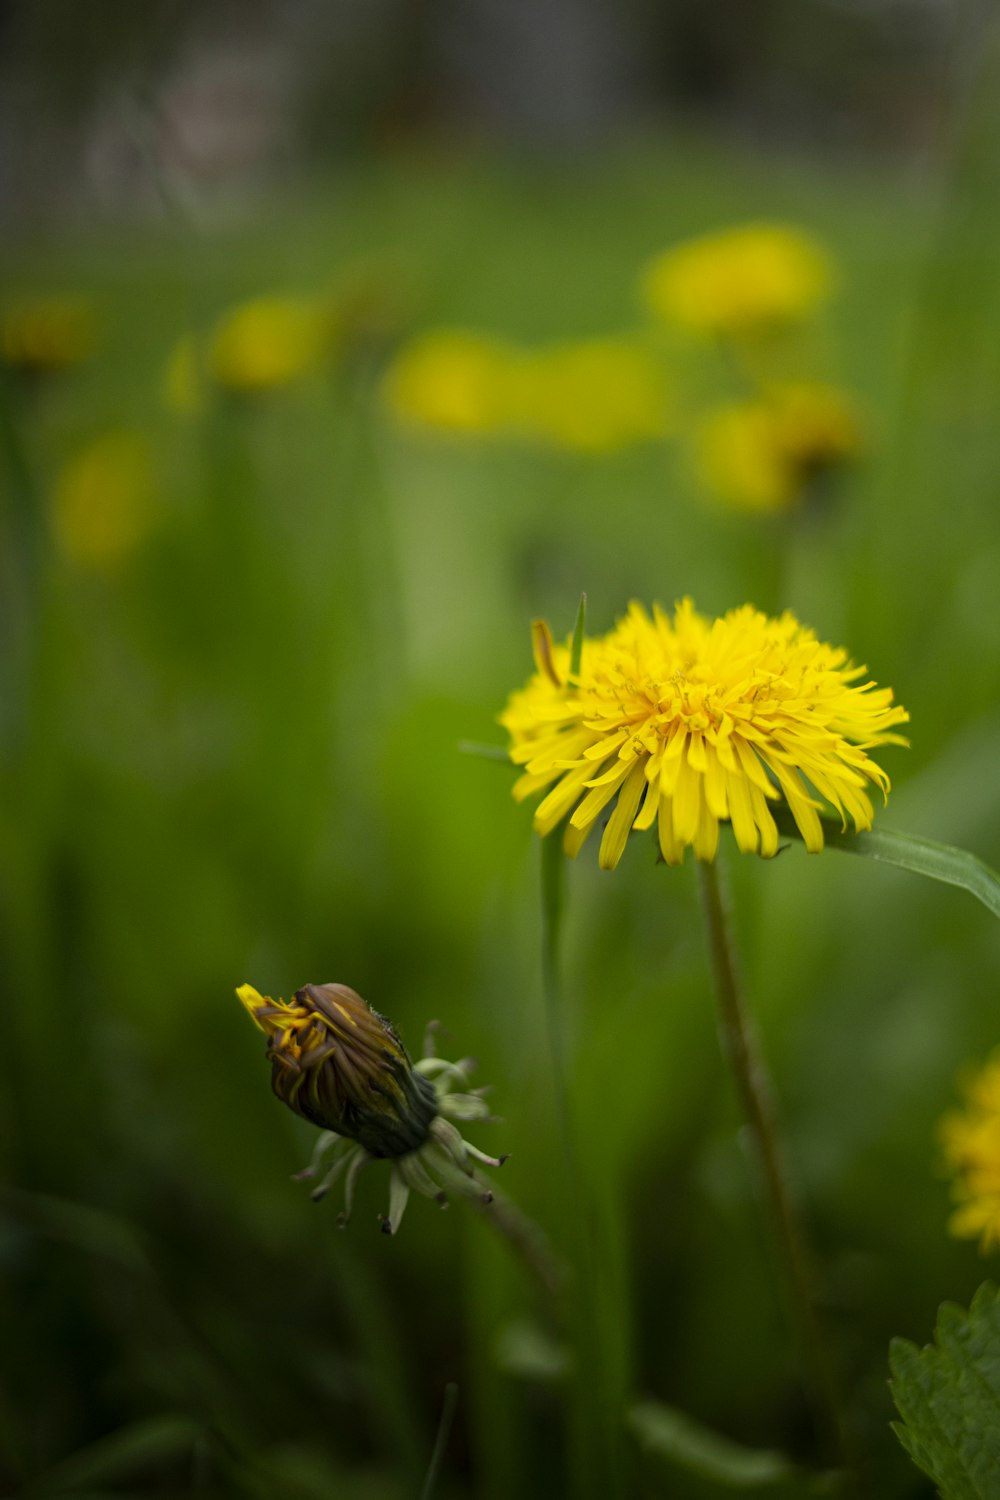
341	1066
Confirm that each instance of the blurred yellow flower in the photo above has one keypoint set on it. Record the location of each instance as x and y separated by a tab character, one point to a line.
971	1142
739	282
691	722
762	455
267	343
454	380
594	396
46	334
104	502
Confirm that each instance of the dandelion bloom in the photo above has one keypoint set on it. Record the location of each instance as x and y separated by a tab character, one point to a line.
43	335
971	1141
105	501
590	396
267	343
454	380
341	1066
762	455
691	722
739	282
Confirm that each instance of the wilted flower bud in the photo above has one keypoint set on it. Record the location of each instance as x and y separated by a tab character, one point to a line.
341	1065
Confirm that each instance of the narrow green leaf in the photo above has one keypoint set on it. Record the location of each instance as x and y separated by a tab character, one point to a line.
948	1395
576	653
673	1435
940	862
139	1448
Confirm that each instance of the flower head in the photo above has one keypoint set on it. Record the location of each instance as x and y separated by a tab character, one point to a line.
452	380
971	1141
341	1066
43	335
690	722
762	455
739	282
267	343
105	505
589	396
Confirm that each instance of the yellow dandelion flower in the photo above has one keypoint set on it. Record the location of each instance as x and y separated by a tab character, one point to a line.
762	455
970	1139
43	335
690	722
592	396
341	1066
267	343
104	504
453	380
739	282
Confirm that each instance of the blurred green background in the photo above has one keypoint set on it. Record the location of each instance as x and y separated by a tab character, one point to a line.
231	753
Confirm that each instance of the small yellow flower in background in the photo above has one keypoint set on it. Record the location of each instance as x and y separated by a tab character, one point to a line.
691	722
971	1142
592	396
267	343
739	282
341	1066
453	380
762	455
104	504
43	335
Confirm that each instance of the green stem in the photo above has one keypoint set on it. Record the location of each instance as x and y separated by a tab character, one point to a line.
441	1441
598	1407
529	1242
753	1085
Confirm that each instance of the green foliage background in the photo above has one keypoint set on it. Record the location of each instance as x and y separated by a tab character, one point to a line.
237	760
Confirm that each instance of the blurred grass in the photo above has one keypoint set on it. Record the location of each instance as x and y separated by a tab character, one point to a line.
235	758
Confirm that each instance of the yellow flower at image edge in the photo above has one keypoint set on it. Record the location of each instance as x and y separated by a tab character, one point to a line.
692	722
341	1066
740	281
43	335
971	1141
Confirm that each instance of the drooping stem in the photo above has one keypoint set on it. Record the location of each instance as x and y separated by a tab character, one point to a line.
528	1241
753	1085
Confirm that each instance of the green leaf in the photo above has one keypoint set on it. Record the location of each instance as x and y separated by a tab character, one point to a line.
576	651
948	1395
139	1448
671	1434
940	862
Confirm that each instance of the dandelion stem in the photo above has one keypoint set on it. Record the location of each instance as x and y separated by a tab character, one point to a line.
596	1418
753	1085
529	1242
441	1441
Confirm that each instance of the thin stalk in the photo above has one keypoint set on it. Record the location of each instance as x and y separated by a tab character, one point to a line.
597	1411
529	1241
753	1085
441	1441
